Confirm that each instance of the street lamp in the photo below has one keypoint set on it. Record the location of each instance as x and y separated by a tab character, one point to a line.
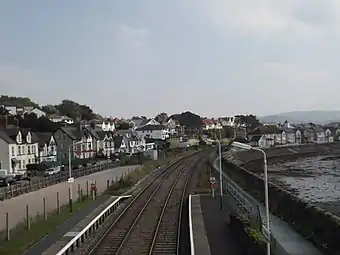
248	147
221	178
70	181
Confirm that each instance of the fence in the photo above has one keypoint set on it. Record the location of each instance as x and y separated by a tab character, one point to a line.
243	200
21	214
43	182
84	234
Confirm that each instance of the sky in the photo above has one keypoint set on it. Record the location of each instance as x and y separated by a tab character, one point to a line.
142	57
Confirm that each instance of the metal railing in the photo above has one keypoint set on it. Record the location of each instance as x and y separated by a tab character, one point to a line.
243	200
191	231
43	182
86	232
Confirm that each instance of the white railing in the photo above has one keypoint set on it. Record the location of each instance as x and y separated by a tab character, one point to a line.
91	227
191	231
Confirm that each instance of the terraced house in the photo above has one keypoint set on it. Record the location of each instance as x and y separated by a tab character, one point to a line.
18	147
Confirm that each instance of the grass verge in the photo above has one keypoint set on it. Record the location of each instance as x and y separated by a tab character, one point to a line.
203	181
22	239
126	182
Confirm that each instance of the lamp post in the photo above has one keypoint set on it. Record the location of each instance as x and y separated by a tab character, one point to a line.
248	147
70	181
221	177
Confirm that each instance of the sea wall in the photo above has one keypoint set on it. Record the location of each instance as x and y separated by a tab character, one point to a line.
315	224
254	159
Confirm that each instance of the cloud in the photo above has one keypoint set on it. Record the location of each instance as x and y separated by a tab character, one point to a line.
131	37
288	20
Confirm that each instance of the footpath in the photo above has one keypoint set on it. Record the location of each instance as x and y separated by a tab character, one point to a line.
285	241
16	207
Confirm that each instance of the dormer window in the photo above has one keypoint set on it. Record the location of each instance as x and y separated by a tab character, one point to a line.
19	137
28	138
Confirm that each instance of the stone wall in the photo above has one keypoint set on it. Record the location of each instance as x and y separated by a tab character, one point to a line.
315	224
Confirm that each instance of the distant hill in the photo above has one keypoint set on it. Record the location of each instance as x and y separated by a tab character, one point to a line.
317	117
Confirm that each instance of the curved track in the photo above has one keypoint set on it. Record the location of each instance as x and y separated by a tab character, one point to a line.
150	224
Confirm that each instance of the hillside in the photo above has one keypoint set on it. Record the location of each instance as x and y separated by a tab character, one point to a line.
66	107
317	117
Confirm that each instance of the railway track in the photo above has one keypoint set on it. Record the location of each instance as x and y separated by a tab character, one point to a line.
150	223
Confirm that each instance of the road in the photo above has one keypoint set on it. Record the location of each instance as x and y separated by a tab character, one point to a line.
16	207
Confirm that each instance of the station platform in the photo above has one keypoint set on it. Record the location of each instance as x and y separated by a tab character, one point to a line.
211	233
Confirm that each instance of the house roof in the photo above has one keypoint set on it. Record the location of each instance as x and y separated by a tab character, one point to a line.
268	129
9	134
72	132
289	130
150	127
117	140
255	138
44	138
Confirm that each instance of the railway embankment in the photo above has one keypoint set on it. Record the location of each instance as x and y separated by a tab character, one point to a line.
313	223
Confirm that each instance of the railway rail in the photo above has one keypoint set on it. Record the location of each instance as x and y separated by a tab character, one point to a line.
151	222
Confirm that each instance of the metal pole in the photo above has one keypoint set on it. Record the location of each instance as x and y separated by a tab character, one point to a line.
221	177
266	195
70	175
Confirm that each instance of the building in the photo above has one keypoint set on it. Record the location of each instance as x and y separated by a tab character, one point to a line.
152	131
18	147
61	119
79	139
39	113
47	147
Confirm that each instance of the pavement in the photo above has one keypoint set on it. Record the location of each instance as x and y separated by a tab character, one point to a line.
220	238
64	228
285	240
16	207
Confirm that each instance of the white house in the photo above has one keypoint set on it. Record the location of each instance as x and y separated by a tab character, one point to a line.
47	147
57	119
265	136
228	121
37	112
105	144
152	131
18	148
105	125
210	124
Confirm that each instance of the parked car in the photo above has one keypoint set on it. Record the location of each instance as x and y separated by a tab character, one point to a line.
52	171
7	180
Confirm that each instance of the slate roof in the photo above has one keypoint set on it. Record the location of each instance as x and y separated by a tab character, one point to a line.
9	134
255	138
268	129
117	140
44	138
150	127
289	130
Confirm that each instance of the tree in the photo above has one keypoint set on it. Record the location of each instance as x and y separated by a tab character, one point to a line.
162	117
250	121
188	119
123	126
50	109
74	110
35	124
17	101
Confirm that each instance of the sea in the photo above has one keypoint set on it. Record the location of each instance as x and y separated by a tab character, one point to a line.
313	179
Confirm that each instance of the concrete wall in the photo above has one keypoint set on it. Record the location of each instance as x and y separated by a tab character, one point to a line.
315	224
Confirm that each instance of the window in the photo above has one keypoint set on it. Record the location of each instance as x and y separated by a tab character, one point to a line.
29	161
13	150
23	164
19	150
19	164
28	149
